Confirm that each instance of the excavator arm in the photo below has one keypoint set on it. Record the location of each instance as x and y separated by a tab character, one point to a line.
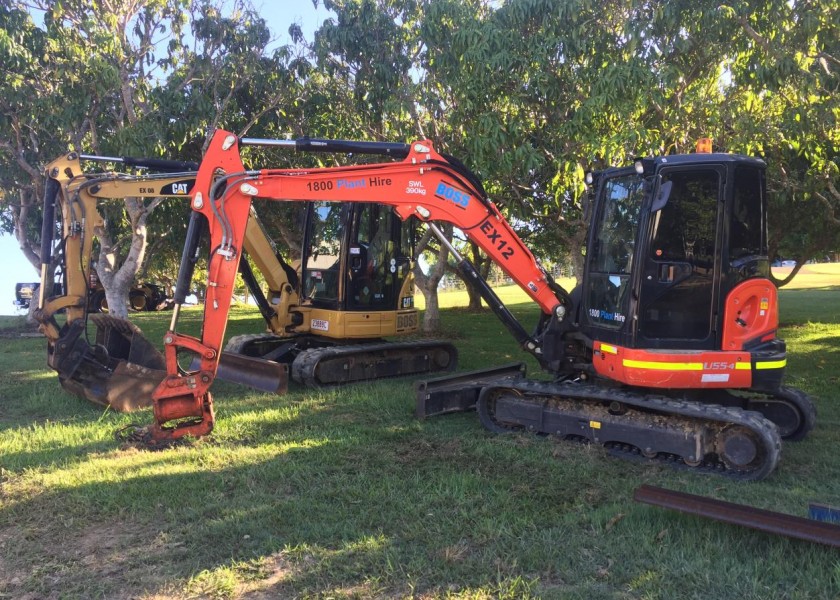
121	368
74	195
424	184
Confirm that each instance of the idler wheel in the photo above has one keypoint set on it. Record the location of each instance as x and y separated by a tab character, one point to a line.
441	359
738	448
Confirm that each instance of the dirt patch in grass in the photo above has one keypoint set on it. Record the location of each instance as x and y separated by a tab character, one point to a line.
106	559
417	451
280	575
278	569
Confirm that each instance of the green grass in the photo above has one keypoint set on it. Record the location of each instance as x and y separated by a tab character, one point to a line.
341	493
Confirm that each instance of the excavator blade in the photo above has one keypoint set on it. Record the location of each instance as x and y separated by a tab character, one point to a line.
258	373
120	370
459	392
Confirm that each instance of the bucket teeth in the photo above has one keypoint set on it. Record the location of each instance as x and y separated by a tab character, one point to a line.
104	322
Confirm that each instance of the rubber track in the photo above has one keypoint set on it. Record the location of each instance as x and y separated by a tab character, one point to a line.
237	343
803	403
304	366
754	421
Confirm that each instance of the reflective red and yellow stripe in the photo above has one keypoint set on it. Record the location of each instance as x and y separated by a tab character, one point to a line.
684	369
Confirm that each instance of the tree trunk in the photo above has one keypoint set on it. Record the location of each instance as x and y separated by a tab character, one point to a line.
474	304
33	306
117	278
431	317
482	264
20	218
116	295
428	284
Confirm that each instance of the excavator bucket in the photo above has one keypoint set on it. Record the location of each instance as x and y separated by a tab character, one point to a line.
120	370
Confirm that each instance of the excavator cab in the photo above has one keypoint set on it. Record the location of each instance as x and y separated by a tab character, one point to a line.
670	240
380	259
357	258
676	293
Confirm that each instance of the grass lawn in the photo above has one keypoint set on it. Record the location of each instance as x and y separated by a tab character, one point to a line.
341	493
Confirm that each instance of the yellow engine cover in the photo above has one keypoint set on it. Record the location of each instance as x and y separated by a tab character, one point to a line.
358	325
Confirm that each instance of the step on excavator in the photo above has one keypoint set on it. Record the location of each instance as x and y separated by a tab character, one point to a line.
667	351
326	324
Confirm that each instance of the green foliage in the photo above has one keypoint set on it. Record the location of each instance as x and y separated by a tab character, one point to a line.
369	44
529	93
783	99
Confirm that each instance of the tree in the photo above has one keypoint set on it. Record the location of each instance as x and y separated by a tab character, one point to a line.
103	79
429	282
529	93
83	79
785	68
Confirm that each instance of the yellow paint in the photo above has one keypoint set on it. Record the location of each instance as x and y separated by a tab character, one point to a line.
662	366
771	364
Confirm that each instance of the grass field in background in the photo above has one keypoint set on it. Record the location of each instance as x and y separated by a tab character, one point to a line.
342	493
509	294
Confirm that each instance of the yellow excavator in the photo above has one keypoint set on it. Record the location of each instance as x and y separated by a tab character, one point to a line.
327	313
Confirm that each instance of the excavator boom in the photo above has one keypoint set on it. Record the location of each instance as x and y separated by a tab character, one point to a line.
424	184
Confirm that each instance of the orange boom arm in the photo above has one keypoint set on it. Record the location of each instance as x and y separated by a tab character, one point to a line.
424	184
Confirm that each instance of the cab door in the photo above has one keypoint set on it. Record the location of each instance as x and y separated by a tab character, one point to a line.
322	253
680	277
377	262
607	291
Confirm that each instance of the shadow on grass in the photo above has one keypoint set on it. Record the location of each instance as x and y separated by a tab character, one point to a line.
343	494
354	507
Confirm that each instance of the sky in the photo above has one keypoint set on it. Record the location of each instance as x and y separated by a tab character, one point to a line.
279	15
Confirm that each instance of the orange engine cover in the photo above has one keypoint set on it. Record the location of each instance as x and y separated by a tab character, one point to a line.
674	368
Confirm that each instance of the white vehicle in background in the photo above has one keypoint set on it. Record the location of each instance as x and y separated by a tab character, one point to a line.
24	293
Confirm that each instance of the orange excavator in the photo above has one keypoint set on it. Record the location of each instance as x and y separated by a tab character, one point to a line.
667	351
